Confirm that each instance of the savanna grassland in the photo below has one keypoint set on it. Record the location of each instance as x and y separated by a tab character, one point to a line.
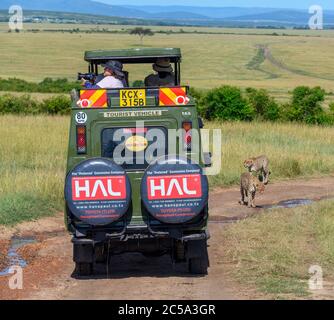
32	166
274	252
277	60
33	149
33	158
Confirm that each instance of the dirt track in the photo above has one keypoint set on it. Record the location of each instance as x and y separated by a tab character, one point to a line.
49	273
281	65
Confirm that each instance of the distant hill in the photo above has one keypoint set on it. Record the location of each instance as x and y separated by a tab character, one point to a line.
77	6
208	12
174	15
289	17
37	16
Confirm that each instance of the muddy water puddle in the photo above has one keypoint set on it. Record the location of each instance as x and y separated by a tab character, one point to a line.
289	204
13	257
286	204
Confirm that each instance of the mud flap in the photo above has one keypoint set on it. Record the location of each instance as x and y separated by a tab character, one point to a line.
83	250
197	249
197	256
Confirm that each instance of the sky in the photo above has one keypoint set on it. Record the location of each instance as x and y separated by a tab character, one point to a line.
297	4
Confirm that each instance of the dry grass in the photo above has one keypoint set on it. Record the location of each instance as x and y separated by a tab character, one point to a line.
293	149
34	95
219	59
32	166
275	250
33	158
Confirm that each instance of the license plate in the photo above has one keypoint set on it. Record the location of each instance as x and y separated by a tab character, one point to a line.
132	98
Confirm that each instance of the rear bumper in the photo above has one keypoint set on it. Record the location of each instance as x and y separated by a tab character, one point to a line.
84	249
140	233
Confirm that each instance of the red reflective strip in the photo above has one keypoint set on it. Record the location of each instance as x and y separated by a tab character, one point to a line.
102	101
179	91
165	99
86	94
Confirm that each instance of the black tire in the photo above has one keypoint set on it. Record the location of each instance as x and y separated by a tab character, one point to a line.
84	269
198	266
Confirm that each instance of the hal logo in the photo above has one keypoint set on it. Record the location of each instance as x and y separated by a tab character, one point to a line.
98	188
174	187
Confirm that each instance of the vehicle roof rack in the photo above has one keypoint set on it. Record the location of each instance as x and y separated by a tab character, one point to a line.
134	55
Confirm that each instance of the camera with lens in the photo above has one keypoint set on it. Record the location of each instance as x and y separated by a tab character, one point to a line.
87	76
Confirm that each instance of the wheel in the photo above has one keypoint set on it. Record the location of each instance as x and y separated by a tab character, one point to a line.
84	269
198	265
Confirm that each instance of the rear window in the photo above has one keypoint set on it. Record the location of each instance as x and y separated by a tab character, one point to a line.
134	148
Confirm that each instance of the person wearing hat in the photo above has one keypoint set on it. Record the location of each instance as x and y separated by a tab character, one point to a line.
164	76
113	77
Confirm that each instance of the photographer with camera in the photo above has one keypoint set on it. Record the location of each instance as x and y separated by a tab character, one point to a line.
113	77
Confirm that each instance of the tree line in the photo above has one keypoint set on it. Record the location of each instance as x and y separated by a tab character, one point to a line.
225	103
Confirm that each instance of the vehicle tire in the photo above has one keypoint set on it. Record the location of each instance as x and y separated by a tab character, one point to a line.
84	269
198	265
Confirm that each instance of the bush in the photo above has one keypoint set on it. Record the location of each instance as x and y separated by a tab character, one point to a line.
138	84
23	105
199	96
26	105
48	85
227	103
306	106
57	86
56	105
266	107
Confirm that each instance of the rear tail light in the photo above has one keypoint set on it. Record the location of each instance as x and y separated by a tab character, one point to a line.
81	140
187	127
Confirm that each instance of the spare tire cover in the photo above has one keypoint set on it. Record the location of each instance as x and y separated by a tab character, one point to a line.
174	190
98	191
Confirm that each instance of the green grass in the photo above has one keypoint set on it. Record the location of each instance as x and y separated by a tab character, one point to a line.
18	207
33	159
294	150
32	166
274	250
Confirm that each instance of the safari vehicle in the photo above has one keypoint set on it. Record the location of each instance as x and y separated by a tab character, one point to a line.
148	206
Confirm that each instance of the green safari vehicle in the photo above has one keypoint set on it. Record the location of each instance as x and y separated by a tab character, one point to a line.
131	182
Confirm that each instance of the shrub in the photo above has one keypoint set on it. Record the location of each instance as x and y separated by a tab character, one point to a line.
331	107
56	105
138	84
266	107
306	106
57	86
199	96
26	105
23	104
227	103
48	85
